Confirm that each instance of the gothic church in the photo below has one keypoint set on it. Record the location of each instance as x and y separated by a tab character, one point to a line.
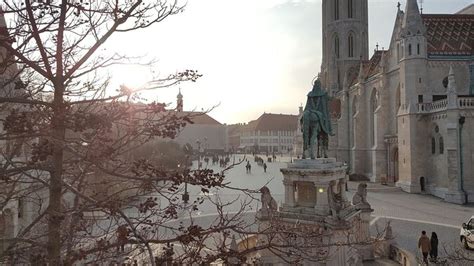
406	114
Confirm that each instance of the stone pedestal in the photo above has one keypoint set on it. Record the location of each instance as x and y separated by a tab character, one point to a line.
315	201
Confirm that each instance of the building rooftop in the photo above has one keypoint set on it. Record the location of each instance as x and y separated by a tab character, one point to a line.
449	34
274	122
199	118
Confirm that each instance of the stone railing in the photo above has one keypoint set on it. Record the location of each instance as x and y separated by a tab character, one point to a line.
437	106
440	105
466	102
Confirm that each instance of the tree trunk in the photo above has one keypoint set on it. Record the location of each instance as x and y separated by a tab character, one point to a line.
55	187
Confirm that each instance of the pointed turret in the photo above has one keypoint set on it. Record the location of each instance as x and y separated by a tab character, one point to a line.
179	105
452	90
412	22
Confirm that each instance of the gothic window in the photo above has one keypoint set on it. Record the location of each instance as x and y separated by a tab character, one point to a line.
441	145
409	49
374	100
351	45
418	48
354	106
349	9
433	145
336	45
373	107
336	9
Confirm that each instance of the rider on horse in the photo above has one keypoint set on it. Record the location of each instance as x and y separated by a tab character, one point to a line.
315	121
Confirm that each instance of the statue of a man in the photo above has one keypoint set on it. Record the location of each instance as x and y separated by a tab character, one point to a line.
315	122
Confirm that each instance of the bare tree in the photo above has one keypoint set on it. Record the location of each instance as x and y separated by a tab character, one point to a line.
69	142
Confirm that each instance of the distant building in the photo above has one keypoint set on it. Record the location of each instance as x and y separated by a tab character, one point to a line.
233	136
270	133
205	134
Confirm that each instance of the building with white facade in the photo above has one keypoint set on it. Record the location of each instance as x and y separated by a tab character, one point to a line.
272	133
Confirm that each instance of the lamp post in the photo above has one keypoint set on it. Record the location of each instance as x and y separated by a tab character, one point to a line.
185	196
198	142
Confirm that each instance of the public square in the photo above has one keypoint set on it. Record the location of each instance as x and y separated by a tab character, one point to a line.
409	213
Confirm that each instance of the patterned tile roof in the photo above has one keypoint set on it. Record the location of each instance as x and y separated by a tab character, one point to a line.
449	34
369	68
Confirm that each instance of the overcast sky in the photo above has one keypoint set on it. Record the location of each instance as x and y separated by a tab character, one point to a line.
256	55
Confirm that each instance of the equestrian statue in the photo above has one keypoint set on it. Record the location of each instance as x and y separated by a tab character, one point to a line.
315	122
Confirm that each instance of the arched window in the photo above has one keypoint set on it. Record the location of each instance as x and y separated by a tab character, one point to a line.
336	9
409	49
418	48
441	145
373	108
336	45
354	106
354	121
349	9
350	41
433	145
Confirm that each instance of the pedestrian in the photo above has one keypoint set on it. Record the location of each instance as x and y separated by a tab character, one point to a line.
264	167
434	247
424	244
122	235
250	168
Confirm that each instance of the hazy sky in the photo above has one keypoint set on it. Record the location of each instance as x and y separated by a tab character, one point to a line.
256	55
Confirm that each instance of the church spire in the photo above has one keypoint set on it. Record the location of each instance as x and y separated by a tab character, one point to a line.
412	22
179	105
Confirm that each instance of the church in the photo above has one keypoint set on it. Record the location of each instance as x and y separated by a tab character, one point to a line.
406	114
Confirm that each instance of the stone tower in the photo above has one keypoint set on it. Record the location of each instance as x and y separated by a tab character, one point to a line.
412	56
179	102
345	40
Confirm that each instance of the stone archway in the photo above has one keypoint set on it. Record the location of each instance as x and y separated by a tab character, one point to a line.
422	184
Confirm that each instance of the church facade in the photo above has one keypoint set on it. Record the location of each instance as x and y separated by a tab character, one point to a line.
406	114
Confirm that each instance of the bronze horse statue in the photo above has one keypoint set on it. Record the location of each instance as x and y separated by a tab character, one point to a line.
315	123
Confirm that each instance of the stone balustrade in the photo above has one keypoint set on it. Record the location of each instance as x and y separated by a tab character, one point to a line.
466	102
442	105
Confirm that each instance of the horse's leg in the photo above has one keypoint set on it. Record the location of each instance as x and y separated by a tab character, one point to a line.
318	141
305	137
326	145
314	136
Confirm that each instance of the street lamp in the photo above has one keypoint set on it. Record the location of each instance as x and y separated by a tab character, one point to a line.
198	142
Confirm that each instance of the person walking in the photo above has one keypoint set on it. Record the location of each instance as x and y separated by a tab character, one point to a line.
250	168
424	244
122	235
264	167
434	247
